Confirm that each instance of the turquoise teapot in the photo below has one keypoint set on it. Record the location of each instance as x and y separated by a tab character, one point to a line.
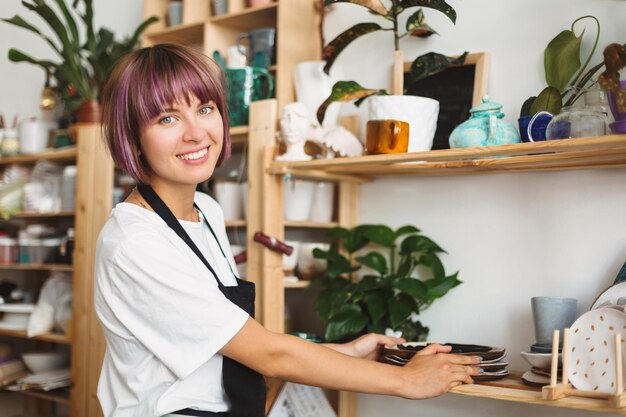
485	127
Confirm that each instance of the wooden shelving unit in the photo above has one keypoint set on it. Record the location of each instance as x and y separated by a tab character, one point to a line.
58	155
310	225
36	215
36	267
56	396
235	223
51	337
349	173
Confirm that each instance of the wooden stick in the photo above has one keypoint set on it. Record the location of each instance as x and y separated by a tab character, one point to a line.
555	358
619	379
565	360
397	74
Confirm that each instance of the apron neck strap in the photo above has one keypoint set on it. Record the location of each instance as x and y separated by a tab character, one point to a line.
160	208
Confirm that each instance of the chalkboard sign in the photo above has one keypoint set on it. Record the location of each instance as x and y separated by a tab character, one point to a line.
457	89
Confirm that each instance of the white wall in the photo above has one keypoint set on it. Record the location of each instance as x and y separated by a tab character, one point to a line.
511	236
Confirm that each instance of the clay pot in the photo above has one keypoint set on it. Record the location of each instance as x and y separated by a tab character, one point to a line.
89	112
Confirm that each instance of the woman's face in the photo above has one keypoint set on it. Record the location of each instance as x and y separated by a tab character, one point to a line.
182	144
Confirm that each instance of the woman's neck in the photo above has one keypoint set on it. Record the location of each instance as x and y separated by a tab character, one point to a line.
179	199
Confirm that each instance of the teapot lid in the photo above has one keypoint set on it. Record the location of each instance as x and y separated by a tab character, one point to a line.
486	105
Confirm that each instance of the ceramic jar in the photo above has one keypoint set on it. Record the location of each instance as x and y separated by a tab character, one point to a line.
485	127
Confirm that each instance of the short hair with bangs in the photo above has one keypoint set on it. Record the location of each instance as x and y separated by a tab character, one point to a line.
145	83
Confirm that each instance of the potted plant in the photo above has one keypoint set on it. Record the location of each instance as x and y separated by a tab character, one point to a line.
390	297
614	61
85	62
418	111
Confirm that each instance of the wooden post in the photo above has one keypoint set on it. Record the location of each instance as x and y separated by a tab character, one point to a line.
554	370
397	74
565	356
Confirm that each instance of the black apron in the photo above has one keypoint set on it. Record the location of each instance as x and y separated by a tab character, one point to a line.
244	387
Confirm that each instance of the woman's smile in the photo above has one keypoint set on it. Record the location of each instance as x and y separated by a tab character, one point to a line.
195	157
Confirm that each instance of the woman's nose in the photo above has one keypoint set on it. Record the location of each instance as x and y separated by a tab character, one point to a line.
193	131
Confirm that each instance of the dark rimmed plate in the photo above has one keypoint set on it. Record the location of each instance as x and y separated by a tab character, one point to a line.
407	350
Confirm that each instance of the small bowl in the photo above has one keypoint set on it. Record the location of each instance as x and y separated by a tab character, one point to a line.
42	362
539	360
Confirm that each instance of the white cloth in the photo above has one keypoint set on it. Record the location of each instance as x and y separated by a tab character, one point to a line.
163	315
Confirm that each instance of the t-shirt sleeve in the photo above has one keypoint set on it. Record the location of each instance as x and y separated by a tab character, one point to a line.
173	307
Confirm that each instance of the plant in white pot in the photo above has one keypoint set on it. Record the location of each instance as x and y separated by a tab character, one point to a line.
420	112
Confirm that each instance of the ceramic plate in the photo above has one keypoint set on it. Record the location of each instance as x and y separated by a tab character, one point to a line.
534	380
17	308
610	295
539	360
407	350
592	349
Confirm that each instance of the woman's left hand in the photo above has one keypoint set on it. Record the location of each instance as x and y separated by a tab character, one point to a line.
367	346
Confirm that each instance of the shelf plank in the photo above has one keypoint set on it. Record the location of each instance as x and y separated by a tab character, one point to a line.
37	267
310	225
57	155
249	18
579	153
188	34
297	284
235	223
50	337
59	396
513	389
32	215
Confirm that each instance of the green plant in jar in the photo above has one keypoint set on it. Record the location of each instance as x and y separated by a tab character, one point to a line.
405	277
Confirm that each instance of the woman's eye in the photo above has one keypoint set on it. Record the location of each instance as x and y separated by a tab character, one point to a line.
205	110
166	120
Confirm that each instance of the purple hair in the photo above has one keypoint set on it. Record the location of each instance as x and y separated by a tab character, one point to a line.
145	83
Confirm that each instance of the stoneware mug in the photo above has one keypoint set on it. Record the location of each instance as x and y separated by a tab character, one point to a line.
552	313
261	46
386	136
245	85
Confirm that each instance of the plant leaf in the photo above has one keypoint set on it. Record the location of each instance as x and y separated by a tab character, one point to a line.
337	45
338	232
19	56
404	266
432	261
379	234
368	282
375	304
374	260
548	100
439	5
525	111
71	23
419	243
344	91
562	59
374	5
438	287
412	286
398	311
348	321
406	230
417	27
432	63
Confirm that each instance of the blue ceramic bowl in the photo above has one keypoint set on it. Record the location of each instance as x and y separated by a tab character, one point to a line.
538	129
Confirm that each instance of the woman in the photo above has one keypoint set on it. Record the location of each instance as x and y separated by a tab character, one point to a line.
181	338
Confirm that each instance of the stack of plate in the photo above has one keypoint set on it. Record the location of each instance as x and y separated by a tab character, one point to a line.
493	362
15	316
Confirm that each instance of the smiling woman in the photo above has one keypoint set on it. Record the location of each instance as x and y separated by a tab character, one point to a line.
179	323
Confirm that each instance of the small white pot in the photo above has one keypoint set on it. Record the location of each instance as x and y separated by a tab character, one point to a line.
310	267
290	261
228	195
420	112
323	201
298	196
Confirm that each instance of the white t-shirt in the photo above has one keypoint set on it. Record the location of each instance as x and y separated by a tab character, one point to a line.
163	315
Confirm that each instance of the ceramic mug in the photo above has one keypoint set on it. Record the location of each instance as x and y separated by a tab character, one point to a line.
552	313
220	7
175	13
323	202
386	136
261	46
245	85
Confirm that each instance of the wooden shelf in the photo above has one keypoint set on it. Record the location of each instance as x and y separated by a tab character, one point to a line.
310	225
239	135
51	337
58	155
37	267
297	284
513	389
60	396
235	223
249	18
553	155
28	215
188	34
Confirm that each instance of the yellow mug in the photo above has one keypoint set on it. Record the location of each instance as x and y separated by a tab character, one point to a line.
386	136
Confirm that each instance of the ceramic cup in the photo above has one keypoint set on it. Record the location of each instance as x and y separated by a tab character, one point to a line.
174	13
310	267
298	199
552	313
323	202
261	46
228	195
386	136
245	85
220	7
290	261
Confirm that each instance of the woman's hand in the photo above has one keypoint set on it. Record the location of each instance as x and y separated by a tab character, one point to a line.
433	371
367	346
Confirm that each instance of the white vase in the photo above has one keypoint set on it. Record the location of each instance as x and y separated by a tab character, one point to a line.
420	112
298	197
228	195
323	199
313	86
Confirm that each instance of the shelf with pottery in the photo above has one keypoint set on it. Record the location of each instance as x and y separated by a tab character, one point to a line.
38	215
54	155
554	155
49	337
37	267
293	224
56	396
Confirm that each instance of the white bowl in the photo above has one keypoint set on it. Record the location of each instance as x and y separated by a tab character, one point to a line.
42	362
539	360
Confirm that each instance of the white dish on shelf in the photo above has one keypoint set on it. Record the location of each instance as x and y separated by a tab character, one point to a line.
17	308
539	360
12	326
592	350
610	296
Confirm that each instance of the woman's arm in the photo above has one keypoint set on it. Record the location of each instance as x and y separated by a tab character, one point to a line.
367	346
431	372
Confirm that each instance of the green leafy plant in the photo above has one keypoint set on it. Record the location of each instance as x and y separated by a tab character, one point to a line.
416	26
85	62
564	73
391	296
